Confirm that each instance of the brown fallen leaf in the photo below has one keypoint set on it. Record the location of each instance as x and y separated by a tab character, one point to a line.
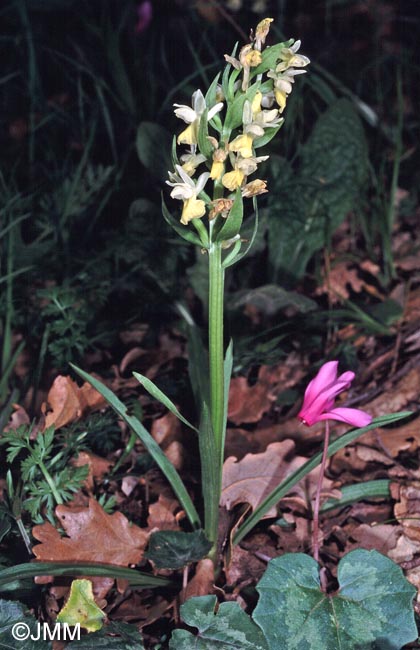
162	514
202	583
66	401
251	479
243	569
98	467
249	403
341	278
407	510
92	536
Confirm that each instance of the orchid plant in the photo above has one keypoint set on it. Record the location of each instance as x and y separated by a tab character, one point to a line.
225	129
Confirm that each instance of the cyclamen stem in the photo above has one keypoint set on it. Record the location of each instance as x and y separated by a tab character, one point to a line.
315	524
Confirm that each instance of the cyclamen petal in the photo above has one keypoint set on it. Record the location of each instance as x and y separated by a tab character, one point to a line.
325	377
320	394
351	416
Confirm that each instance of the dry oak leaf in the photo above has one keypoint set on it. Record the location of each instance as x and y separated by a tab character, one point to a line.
68	402
98	467
162	514
92	536
202	583
248	403
253	478
339	277
407	510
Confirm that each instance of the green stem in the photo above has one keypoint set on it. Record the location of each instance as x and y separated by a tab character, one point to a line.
216	282
50	482
212	463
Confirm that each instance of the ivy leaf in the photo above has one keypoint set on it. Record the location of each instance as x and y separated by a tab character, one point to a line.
371	611
81	607
124	637
173	549
228	628
12	613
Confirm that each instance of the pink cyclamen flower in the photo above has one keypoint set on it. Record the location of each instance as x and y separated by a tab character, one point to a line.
320	395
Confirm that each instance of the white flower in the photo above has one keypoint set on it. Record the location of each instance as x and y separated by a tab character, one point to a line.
184	186
190	115
289	58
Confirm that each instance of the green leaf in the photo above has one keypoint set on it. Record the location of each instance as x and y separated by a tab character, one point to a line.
81	607
151	445
307	207
203	142
198	365
32	569
359	492
227	374
233	223
235	109
270	56
162	398
269	134
371	611
211	462
14	613
285	487
153	144
251	241
211	94
174	549
183	231
124	637
227	627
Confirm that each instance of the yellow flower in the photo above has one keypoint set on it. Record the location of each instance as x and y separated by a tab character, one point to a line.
242	144
281	98
193	208
256	103
217	169
261	32
233	180
190	162
249	57
188	135
289	58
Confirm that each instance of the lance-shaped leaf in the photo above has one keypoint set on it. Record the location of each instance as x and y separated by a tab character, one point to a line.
269	134
162	398
229	261
269	57
235	109
371	611
233	223
285	487
183	231
202	137
151	445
